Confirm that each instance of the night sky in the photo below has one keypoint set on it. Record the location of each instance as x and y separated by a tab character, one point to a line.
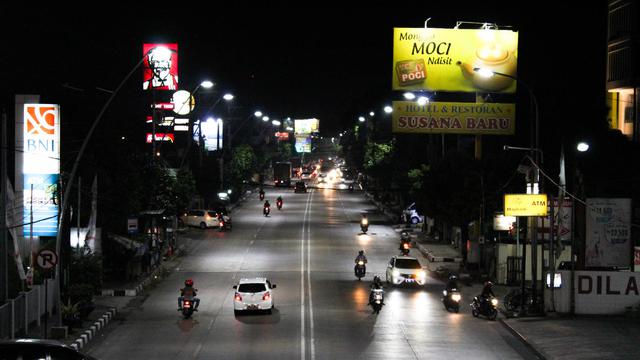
332	62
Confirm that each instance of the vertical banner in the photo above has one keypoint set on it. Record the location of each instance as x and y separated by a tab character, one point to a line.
212	134
41	168
160	66
608	233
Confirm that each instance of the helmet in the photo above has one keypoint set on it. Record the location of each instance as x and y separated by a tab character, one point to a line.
376	279
453	277
488	283
361	252
188	282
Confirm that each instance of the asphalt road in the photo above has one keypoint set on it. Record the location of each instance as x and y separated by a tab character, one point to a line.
321	312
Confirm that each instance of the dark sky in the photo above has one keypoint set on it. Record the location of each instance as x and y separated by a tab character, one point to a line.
332	62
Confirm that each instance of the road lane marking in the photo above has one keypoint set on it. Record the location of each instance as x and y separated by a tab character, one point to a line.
313	340
305	239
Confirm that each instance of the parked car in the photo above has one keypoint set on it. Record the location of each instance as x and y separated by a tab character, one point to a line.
301	187
200	218
405	269
253	294
410	215
39	349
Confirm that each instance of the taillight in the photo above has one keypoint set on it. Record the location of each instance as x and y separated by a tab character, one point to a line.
266	296
405	245
238	297
221	223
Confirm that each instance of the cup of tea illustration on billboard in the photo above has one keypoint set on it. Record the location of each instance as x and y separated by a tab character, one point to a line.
491	55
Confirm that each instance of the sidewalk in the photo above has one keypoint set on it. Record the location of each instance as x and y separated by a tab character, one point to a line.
579	337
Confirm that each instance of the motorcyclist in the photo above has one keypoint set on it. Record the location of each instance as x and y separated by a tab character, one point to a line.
487	293
188	291
279	200
261	193
376	284
361	256
452	283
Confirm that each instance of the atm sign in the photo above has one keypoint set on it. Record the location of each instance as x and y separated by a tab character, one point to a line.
525	205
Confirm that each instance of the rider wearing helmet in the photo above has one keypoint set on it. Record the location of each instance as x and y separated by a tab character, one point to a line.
377	284
361	256
190	292
452	283
487	290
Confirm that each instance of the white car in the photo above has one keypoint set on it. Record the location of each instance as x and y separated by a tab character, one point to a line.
253	294
200	218
405	269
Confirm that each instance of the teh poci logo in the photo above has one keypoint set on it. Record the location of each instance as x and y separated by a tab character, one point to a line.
41	119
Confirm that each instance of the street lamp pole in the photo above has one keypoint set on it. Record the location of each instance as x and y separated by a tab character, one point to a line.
74	169
534	149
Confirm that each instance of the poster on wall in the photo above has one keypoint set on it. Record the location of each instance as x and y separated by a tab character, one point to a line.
160	66
608	233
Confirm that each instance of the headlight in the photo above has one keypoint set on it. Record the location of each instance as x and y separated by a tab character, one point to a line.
360	262
365	221
494	302
456	297
421	274
395	273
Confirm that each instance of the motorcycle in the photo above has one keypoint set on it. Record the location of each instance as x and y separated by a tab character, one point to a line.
377	300
405	248
364	225
351	187
360	269
279	204
451	300
261	195
187	307
224	224
266	210
487	307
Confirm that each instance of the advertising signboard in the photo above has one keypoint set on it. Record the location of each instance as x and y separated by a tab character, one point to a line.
303	144
453	118
434	59
212	134
525	205
41	168
608	233
160	66
306	126
561	221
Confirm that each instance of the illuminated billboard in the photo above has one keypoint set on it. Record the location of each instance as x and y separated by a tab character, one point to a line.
306	126
212	134
434	59
303	144
525	205
160	66
453	118
41	168
161	137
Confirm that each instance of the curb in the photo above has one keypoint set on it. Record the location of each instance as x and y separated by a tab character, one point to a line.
93	330
432	258
523	340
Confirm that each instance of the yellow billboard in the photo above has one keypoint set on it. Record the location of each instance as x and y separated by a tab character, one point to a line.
453	118
525	205
434	59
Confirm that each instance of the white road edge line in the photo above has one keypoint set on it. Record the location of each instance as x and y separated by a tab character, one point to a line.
302	302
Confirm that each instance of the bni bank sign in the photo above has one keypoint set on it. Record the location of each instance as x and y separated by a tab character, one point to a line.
41	168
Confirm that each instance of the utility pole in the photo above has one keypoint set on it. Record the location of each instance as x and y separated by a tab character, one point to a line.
4	278
78	216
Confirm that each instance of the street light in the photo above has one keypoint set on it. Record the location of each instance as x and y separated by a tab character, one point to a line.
582	146
422	100
534	149
361	119
388	109
409	95
257	113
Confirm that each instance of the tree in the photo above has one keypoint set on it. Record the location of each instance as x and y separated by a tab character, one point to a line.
243	160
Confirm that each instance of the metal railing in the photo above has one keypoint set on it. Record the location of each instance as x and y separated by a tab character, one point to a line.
20	313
